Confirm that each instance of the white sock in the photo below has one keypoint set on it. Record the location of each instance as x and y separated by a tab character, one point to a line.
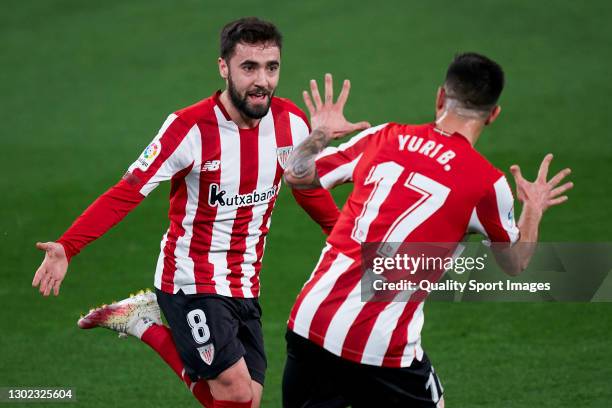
141	326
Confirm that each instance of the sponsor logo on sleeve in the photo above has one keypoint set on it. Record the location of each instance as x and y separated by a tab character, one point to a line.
149	155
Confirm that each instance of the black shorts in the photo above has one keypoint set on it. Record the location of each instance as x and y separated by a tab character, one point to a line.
316	378
213	332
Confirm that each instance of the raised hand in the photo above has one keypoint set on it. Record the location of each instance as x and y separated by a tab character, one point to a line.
541	194
327	114
51	272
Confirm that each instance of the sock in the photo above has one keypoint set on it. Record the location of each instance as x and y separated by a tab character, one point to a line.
159	338
141	326
232	404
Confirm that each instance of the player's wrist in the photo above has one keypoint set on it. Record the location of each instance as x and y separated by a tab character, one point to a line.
324	133
68	254
532	212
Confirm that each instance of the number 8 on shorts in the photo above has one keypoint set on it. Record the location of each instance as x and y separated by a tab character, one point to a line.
199	329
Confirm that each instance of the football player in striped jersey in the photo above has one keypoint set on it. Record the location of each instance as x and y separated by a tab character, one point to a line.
412	183
225	157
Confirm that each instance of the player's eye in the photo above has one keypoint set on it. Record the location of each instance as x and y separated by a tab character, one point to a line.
273	67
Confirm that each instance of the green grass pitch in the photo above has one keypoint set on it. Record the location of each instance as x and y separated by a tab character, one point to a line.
85	85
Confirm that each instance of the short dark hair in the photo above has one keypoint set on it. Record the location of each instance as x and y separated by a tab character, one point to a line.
475	81
249	30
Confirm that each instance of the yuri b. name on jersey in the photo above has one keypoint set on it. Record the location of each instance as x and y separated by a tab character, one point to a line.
218	197
429	148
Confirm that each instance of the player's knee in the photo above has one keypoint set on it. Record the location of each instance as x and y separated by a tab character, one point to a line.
238	391
257	392
232	386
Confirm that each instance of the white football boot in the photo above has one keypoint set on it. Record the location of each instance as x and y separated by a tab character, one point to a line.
132	316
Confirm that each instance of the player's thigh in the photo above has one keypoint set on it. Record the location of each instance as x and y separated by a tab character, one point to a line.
414	386
310	378
205	330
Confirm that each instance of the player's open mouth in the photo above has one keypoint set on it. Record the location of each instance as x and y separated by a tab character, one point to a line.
258	96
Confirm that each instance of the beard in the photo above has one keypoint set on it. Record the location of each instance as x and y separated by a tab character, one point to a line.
242	104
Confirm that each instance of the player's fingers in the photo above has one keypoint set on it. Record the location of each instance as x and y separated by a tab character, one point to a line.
56	287
559	176
516	172
43	246
344	93
38	275
543	171
308	102
360	126
329	88
314	90
561	189
557	201
49	287
44	283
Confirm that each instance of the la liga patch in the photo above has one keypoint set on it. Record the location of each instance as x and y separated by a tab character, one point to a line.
149	155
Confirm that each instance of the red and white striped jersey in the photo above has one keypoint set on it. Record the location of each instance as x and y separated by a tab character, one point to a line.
224	183
411	184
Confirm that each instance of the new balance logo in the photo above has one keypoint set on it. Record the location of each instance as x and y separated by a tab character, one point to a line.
216	197
211	165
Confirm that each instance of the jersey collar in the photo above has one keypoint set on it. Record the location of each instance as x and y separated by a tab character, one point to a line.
446	134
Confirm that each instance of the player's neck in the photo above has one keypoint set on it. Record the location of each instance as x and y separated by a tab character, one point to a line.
243	122
450	122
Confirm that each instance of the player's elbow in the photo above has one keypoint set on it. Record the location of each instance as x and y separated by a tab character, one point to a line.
515	265
509	259
513	270
290	180
296	182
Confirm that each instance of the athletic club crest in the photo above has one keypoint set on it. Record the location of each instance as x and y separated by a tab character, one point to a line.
207	353
282	154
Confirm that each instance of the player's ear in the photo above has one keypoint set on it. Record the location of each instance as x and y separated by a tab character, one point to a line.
493	115
223	68
440	98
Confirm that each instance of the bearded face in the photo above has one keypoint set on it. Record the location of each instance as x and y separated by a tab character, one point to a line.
252	103
252	74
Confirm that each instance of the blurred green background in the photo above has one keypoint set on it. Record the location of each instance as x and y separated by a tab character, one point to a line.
85	85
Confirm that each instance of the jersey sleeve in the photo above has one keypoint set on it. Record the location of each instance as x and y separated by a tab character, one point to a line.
335	165
166	155
493	216
170	152
300	128
110	208
319	205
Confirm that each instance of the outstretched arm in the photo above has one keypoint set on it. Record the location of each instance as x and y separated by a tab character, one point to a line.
169	154
536	197
110	208
328	123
